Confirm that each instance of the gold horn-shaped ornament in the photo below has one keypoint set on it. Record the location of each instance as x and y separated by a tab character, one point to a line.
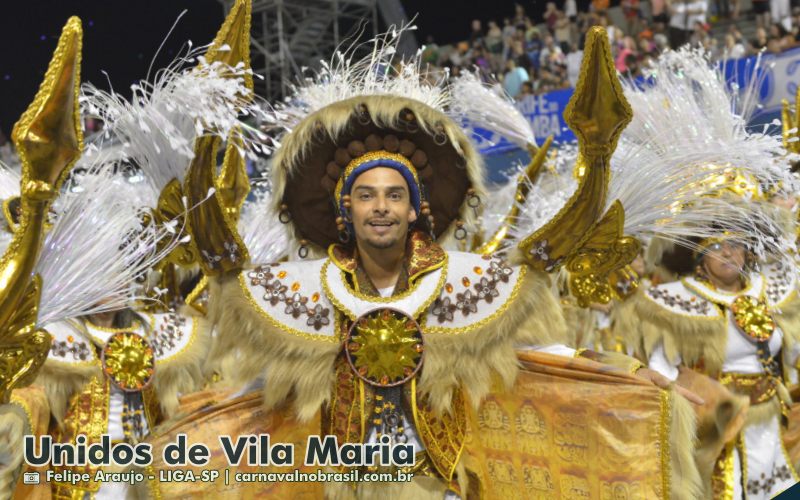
213	230
49	140
231	46
526	179
790	123
597	113
233	184
598	270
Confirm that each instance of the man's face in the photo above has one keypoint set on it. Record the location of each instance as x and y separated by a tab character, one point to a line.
381	208
724	261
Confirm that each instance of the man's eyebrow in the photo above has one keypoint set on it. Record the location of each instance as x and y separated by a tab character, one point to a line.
373	188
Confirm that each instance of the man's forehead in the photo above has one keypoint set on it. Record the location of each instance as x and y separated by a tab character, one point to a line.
380	177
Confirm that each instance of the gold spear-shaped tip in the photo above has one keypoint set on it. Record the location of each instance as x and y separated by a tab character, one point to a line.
232	43
787	124
233	184
598	110
48	136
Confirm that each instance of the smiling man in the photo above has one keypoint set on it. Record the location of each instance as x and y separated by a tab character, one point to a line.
382	212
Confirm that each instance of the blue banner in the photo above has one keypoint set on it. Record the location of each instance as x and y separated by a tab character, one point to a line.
779	75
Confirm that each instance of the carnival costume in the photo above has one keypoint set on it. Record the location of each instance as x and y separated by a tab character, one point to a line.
104	233
338	357
743	340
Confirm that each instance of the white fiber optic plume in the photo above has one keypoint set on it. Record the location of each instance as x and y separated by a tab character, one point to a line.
9	182
488	107
266	239
548	195
97	248
157	128
347	75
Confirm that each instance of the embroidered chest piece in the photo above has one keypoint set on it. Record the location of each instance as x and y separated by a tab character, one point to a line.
384	347
752	317
128	361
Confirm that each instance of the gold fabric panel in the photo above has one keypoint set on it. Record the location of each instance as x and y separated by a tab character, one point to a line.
570	428
33	401
87	414
235	417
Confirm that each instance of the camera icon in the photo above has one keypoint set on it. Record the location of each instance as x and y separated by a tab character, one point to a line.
30	478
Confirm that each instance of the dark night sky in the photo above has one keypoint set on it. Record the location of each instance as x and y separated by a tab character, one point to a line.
121	37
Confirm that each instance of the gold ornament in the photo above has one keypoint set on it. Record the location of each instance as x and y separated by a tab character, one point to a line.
49	140
384	347
597	113
128	361
752	317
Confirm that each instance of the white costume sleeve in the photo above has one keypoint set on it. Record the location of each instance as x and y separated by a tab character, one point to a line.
658	361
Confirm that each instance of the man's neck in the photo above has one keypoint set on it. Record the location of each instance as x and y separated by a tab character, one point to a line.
383	266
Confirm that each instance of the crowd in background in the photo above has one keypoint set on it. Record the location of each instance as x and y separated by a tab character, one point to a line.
532	55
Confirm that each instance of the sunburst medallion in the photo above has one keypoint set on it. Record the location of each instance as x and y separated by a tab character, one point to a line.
384	347
128	361
752	317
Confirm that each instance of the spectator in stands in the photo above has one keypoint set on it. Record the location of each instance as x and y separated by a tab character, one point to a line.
658	11
631	9
760	41
571	10
632	69
761	10
476	35
525	91
514	78
733	47
700	36
519	14
550	17
684	14
573	60
551	54
563	29
628	48
533	46
494	38
600	5
430	54
784	38
780	12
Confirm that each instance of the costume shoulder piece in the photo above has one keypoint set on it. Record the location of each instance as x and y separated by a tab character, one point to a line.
476	289
174	336
676	298
782	297
70	347
484	310
781	283
684	322
290	296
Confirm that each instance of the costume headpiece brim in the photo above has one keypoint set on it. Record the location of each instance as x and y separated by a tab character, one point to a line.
307	167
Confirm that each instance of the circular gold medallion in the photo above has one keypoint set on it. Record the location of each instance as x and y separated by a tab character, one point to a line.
128	361
752	317
384	347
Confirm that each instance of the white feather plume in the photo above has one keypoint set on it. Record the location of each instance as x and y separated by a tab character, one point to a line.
157	128
485	106
349	74
266	239
686	130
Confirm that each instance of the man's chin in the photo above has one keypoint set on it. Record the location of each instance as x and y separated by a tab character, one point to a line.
381	243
